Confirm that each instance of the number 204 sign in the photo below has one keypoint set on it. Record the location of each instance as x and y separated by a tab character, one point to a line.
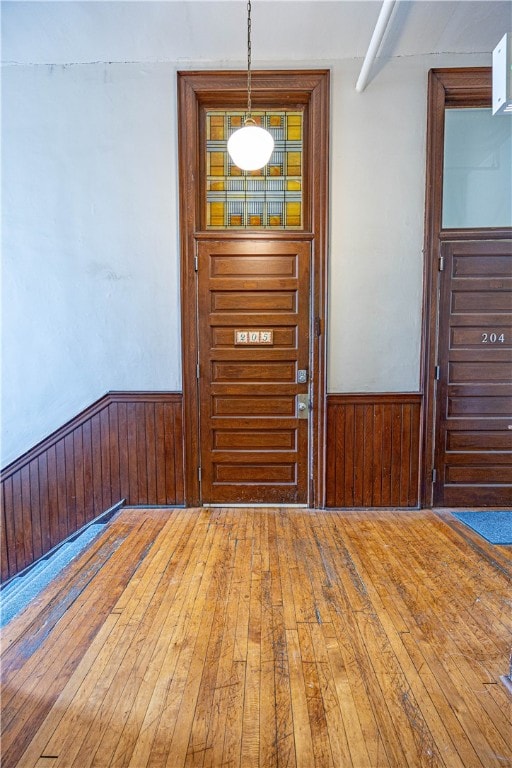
495	337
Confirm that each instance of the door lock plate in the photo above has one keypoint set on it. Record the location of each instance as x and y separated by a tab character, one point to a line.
302	406
302	376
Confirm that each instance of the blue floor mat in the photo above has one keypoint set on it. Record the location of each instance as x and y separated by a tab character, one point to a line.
18	593
495	526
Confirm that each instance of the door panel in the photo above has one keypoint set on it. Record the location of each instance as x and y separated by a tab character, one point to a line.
473	457
254	448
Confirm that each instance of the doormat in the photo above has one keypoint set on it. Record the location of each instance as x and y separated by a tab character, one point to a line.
18	593
496	527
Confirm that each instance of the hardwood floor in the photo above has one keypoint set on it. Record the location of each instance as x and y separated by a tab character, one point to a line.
266	637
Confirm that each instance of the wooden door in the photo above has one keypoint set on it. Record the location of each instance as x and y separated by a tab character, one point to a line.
473	455
283	442
253	321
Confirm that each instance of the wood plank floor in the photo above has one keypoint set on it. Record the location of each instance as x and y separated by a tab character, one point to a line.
266	637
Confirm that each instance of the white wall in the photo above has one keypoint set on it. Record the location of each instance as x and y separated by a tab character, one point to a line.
378	169
90	249
378	152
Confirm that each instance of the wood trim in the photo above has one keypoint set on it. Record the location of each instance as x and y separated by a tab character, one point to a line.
375	397
201	90
466	87
373	443
492	233
189	216
126	445
287	235
319	159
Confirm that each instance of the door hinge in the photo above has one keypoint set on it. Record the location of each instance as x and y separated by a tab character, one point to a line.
199	473
318	327
198	371
196	263
437	372
441	263
434	475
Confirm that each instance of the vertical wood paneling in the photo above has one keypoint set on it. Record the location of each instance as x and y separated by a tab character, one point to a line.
97	480
160	451
355	434
9	530
377	456
106	482
415	456
131	432
150	441
170	468
178	454
52	495
4	550
386	452
115	466
17	514
122	433
33	469
44	505
125	446
406	454
88	471
142	450
373	450
27	519
79	476
336	440
70	497
396	453
61	500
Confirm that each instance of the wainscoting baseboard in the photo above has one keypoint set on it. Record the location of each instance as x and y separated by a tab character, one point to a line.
373	449
127	445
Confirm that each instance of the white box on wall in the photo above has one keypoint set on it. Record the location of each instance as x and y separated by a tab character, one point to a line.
502	77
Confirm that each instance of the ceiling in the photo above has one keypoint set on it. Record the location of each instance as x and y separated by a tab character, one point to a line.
215	30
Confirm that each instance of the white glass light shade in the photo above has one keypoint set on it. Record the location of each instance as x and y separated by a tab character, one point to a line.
250	147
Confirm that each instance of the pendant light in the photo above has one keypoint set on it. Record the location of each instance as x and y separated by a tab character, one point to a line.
251	146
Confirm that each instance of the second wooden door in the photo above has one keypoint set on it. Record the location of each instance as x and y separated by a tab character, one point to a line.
473	459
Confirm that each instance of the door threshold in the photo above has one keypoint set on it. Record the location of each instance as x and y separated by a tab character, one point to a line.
248	506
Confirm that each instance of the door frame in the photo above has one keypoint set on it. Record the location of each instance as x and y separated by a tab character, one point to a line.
200	90
454	87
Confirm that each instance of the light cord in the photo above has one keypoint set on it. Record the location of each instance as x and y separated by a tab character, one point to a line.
248	61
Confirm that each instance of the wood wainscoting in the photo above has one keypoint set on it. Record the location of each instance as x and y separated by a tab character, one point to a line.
127	445
373	450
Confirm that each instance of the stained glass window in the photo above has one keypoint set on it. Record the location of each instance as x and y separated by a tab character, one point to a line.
270	198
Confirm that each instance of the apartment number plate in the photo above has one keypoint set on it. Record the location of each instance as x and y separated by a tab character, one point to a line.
254	337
